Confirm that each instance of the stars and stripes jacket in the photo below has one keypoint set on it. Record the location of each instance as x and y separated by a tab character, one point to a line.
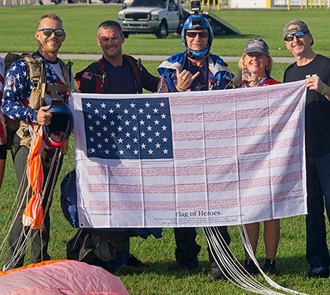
18	87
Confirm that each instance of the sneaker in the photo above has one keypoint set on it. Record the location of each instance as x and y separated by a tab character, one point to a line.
185	265
133	261
269	267
251	268
318	272
216	274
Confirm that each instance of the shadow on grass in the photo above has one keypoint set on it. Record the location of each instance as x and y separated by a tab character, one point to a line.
161	268
296	266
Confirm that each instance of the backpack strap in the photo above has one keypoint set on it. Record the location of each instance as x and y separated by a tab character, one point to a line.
100	75
36	68
37	74
136	66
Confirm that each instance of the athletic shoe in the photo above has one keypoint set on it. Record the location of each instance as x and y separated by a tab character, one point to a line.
251	268
269	267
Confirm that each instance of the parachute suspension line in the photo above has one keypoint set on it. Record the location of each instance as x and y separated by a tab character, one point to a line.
229	264
31	183
55	164
28	234
56	159
232	268
16	206
248	248
18	247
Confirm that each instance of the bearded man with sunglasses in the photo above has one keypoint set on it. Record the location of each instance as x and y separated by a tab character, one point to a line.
315	70
195	69
17	105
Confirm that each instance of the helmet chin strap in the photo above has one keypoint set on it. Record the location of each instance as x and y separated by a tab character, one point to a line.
198	54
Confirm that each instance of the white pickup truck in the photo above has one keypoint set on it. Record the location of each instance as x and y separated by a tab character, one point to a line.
158	17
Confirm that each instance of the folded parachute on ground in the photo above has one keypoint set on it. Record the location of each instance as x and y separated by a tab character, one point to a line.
61	277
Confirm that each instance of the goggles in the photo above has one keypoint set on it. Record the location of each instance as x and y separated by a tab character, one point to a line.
289	37
49	32
200	34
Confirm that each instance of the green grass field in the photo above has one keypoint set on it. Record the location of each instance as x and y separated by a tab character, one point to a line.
80	23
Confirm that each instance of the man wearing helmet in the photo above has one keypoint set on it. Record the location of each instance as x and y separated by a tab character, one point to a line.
195	69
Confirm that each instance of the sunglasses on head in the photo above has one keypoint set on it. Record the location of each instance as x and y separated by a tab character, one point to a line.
289	37
200	34
49	32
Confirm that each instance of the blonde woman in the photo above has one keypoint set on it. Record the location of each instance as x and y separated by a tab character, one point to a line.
254	70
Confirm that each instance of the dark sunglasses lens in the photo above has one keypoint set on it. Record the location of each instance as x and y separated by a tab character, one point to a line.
290	37
194	34
191	34
47	32
300	34
204	34
59	33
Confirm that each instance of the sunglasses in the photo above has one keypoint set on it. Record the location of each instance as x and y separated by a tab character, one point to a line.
200	34
49	32
289	37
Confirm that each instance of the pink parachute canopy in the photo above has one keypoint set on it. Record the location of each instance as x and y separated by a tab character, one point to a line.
68	277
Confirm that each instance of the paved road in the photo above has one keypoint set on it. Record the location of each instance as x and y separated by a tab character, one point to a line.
163	57
157	57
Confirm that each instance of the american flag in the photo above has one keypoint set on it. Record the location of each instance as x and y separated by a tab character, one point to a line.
88	75
128	128
190	159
